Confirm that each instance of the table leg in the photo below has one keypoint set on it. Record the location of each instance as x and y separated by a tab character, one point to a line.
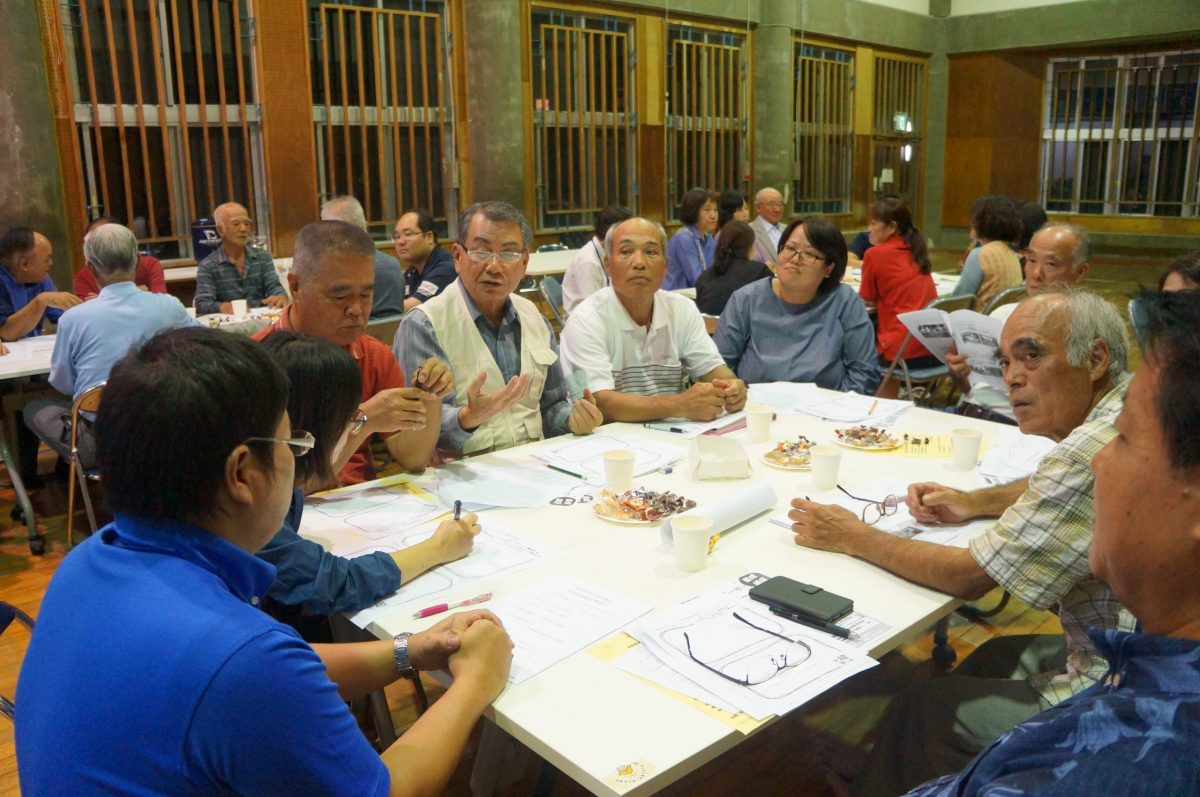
37	542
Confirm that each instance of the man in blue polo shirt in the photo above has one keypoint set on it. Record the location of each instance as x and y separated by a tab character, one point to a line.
428	268
152	669
27	294
94	335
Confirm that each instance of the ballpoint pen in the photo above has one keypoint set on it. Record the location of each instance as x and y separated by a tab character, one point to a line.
812	622
445	607
458	510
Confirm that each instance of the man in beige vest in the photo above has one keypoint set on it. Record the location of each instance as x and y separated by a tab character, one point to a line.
510	388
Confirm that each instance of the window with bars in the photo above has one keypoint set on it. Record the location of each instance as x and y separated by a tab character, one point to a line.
584	124
898	127
823	153
707	114
382	109
165	115
1120	135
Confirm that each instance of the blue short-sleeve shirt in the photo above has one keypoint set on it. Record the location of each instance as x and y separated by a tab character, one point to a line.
15	295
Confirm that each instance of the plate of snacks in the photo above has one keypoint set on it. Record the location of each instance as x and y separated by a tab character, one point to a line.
866	438
790	454
640	507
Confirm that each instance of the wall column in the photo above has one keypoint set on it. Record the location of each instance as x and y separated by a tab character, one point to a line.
773	83
934	169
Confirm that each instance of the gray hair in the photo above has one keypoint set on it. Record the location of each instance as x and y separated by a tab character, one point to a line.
1091	318
1083	241
498	212
608	236
345	208
112	251
319	240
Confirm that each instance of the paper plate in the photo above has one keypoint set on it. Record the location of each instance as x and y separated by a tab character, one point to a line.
768	461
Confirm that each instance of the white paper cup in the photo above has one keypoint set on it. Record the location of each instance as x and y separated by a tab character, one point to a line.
758	423
618	470
191	311
826	461
240	310
964	448
690	535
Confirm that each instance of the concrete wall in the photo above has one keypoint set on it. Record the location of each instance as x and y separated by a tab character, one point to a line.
31	193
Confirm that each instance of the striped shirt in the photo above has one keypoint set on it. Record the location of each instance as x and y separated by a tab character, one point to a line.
619	354
1038	550
218	280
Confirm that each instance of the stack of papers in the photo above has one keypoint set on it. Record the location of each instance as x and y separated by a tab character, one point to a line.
785	396
689	429
584	457
1015	457
855	408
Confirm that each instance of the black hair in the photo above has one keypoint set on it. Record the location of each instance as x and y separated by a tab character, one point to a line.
1168	331
17	241
894	211
1186	266
1033	218
995	218
172	412
424	220
824	236
736	238
324	389
728	203
613	214
692	202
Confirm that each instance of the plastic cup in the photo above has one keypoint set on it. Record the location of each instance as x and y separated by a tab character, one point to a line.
240	309
826	461
964	448
690	535
758	423
618	470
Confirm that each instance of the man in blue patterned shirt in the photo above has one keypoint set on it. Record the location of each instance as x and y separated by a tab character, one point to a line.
1138	730
235	270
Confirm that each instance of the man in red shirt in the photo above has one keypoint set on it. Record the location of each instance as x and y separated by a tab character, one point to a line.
332	282
148	277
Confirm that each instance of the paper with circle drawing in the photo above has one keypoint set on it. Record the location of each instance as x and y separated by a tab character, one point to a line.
585	455
480	485
786	664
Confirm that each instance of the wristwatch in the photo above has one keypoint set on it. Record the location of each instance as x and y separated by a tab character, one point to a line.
403	663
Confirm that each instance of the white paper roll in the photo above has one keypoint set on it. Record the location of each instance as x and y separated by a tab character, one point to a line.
737	507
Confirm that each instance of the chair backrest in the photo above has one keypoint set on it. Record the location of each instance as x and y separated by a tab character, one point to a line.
8	613
384	329
951	303
553	248
1007	296
551	290
88	401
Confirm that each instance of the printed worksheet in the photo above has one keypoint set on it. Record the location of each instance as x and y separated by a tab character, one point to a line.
976	336
584	456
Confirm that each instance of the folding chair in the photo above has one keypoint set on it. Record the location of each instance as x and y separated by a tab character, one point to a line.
88	401
384	328
8	613
925	376
1007	296
551	290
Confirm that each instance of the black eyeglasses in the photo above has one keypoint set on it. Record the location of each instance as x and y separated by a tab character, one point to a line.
761	671
875	510
300	442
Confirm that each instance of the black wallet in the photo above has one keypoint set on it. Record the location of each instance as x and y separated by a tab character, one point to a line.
788	596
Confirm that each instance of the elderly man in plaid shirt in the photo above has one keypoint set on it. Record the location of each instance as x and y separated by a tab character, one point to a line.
1064	355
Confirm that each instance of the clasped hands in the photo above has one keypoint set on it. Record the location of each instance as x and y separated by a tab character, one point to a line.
704	401
472	646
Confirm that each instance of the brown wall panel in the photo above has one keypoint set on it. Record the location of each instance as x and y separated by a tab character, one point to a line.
289	157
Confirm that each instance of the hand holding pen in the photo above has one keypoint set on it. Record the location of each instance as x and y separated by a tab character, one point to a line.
454	538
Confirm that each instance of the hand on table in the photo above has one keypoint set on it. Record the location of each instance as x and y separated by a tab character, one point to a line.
826	527
481	406
3	349
585	415
455	538
483	659
432	648
398	409
734	391
435	377
275	302
929	502
62	300
703	401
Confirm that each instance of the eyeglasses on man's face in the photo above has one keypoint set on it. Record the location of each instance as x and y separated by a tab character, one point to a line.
300	442
406	235
755	671
481	257
806	257
875	511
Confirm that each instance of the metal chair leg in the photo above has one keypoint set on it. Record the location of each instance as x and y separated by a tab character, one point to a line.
943	653
37	542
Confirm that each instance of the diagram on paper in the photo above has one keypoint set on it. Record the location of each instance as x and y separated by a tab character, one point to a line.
585	456
381	512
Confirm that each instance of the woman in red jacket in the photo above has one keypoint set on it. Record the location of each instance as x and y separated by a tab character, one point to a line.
896	279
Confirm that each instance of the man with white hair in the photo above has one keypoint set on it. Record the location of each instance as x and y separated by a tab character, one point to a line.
94	335
235	270
768	224
389	278
1064	355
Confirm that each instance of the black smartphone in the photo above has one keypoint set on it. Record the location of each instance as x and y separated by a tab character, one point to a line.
793	597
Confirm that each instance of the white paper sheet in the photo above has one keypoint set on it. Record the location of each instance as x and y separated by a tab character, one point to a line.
641	662
26	348
689	429
558	616
975	335
1014	457
477	484
499	550
786	663
730	510
855	408
379	512
585	455
785	396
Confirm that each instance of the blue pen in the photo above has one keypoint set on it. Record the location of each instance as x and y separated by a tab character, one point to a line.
458	510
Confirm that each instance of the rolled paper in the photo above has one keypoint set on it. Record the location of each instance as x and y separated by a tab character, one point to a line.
730	511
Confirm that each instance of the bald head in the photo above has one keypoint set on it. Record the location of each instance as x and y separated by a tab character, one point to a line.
633	226
768	203
1057	254
345	208
233	223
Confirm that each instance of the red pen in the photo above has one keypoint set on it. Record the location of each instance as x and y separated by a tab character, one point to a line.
445	607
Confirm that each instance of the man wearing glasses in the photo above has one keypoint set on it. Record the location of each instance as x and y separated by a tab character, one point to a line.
767	224
428	268
1064	354
503	353
332	281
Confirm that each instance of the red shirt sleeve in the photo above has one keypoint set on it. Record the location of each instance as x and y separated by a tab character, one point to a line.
150	274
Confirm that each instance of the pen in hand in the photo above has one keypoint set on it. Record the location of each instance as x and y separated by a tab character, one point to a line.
458	510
